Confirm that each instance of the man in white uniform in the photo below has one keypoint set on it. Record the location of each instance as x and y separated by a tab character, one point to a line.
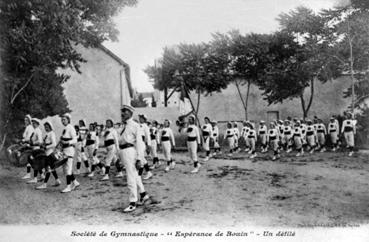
131	153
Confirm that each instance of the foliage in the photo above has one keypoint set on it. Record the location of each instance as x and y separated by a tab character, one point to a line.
38	39
138	102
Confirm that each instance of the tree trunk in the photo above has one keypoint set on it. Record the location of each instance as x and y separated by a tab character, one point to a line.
303	106
305	109
193	106
3	141
241	97
247	99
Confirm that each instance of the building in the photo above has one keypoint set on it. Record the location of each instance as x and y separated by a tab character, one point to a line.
102	87
173	100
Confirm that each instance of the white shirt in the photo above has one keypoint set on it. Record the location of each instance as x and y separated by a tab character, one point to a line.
245	131
111	135
154	134
229	133
333	127
69	135
321	128
167	133
92	139
206	130
50	142
131	134
215	132
236	132
348	125
262	129
311	130
273	133
27	133
192	132
36	137
145	133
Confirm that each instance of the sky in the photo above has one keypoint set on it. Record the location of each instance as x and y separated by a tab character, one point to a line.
153	24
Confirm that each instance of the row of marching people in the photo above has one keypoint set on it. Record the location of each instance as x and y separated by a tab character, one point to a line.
46	154
302	135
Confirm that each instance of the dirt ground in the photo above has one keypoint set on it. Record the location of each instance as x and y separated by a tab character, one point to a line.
328	189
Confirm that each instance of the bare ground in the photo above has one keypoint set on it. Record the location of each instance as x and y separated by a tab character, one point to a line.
328	189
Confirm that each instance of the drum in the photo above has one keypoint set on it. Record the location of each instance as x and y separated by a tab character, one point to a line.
23	156
11	153
38	160
57	159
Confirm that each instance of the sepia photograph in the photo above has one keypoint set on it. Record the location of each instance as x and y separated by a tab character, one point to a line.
184	120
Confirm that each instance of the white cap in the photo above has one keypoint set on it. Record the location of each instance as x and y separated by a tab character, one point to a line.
49	123
127	107
36	120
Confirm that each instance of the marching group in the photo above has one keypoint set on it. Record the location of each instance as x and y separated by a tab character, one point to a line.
128	142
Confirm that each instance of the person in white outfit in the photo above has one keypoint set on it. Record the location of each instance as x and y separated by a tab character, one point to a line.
206	134
193	141
80	146
321	134
297	138
68	140
35	142
166	138
252	139
349	131
130	153
215	137
154	144
287	136
229	136
263	133
236	132
310	136
49	145
92	145
111	145
244	134
333	131
273	140
146	138
26	138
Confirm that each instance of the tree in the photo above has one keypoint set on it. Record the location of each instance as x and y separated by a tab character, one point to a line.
245	59
297	58
138	102
38	39
195	67
348	34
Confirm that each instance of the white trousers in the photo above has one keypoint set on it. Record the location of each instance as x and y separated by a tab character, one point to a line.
216	142
349	138
154	148
143	151
167	147
192	149
310	140
111	155
206	144
231	143
90	154
134	183
263	139
68	167
298	142
334	137
81	156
